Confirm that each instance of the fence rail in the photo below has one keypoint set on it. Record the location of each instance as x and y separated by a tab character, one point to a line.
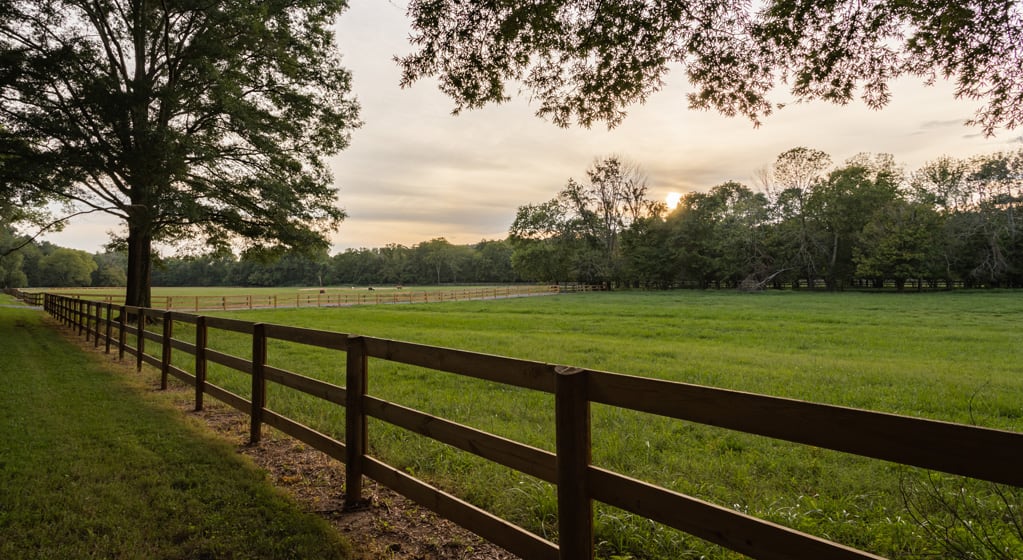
982	453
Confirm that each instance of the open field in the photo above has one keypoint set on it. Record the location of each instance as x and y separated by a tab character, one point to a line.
161	291
92	465
227	299
948	356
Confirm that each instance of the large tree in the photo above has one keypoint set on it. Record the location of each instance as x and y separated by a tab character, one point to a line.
793	177
843	203
184	119
582	225
587	61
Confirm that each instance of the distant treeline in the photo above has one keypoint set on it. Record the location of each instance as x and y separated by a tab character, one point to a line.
867	223
26	264
431	262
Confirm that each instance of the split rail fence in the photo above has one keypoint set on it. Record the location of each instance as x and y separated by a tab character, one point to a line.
981	453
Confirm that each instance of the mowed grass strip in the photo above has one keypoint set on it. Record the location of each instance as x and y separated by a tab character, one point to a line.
92	465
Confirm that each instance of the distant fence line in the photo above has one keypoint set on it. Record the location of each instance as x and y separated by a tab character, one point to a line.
325	297
983	453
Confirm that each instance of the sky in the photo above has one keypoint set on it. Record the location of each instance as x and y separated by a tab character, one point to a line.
415	172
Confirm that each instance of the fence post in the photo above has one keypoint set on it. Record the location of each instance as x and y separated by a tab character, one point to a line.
165	359
200	361
99	318
356	379
86	318
109	325
258	382
572	421
140	338
80	316
122	322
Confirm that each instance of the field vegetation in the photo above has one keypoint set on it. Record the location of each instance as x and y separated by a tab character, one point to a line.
93	465
950	356
191	291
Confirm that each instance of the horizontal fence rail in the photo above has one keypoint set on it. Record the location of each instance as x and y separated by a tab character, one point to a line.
982	453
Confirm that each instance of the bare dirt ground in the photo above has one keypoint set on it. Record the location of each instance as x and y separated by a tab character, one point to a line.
389	527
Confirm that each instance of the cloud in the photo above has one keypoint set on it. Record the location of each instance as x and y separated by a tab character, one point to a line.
414	172
947	123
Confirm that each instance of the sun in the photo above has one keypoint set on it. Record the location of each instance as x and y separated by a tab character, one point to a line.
673	199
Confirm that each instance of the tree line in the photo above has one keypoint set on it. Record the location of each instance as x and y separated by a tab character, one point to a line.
24	263
808	223
436	261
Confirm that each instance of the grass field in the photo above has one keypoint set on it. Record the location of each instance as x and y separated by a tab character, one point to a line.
950	356
160	291
94	466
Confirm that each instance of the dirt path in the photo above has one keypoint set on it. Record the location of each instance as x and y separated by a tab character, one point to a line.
390	527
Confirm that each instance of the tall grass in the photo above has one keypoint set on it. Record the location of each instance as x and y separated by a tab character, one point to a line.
947	356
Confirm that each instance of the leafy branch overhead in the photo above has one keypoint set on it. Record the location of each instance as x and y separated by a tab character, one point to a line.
585	61
185	120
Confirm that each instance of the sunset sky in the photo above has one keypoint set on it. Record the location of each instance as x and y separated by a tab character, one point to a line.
415	172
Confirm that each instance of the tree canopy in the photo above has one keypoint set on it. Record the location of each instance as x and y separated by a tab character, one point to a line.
186	120
864	223
587	61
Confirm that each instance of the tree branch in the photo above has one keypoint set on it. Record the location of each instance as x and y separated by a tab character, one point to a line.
49	226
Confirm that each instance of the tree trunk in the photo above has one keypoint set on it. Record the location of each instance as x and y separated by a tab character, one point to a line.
140	243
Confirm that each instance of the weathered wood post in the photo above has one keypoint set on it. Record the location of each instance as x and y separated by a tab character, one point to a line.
140	338
200	361
258	382
165	359
122	323
86	317
572	421
356	381
99	319
109	325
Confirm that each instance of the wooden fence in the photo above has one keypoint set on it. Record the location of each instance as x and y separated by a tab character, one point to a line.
326	297
982	453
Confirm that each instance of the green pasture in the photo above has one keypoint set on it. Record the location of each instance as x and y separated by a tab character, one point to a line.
93	465
159	291
952	356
